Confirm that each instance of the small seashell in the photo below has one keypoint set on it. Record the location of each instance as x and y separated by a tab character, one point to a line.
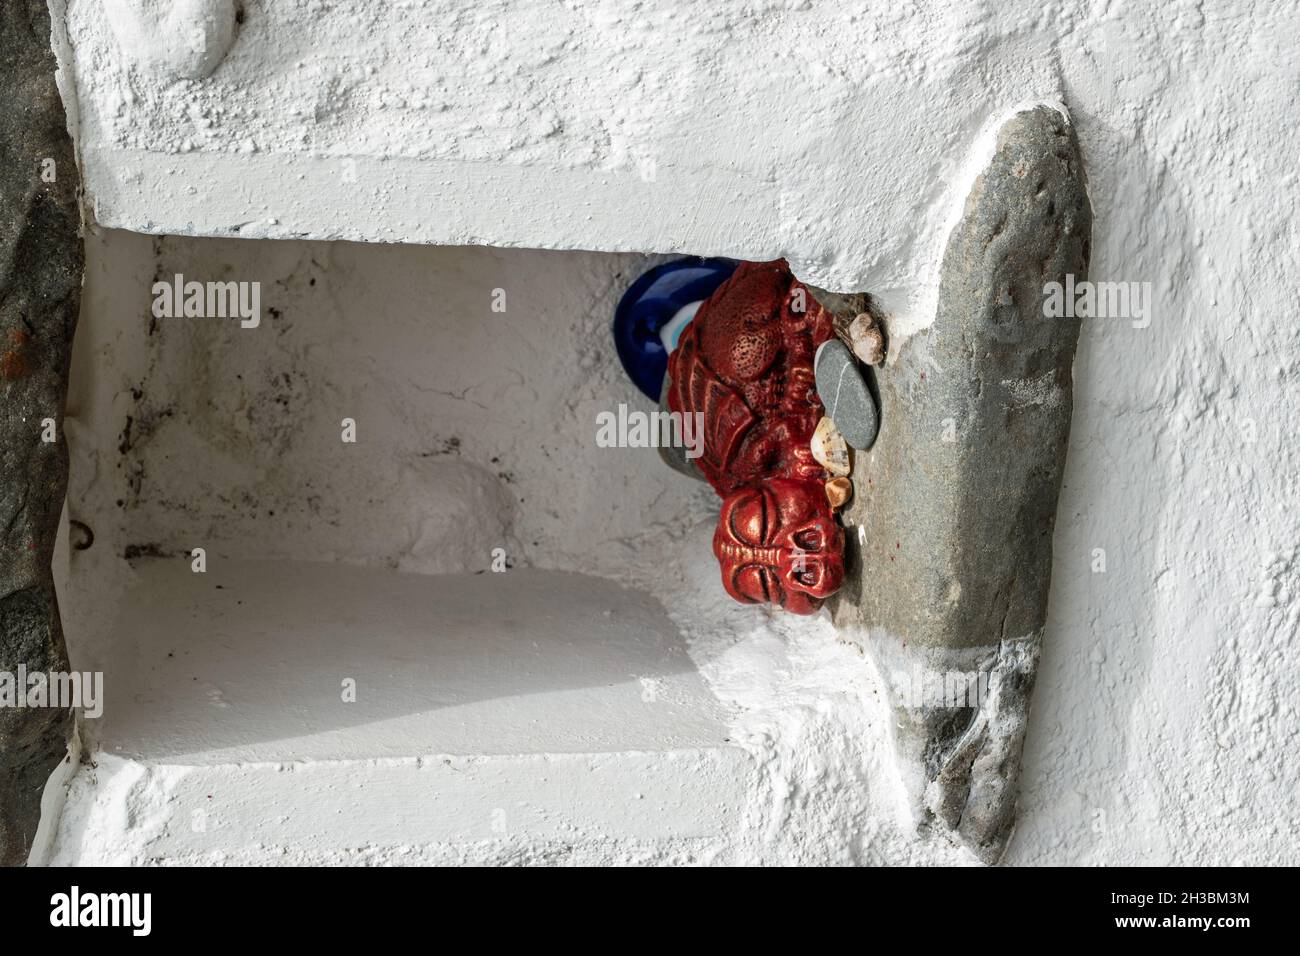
838	492
829	447
867	339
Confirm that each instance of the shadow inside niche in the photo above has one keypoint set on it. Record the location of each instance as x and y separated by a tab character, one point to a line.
282	661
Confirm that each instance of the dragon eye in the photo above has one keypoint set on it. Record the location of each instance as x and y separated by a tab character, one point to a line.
810	539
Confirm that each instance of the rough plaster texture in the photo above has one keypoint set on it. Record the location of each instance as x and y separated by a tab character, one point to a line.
828	132
1165	712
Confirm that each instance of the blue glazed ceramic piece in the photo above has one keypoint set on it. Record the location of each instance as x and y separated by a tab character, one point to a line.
655	309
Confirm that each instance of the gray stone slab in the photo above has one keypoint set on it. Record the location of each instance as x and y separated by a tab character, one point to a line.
40	287
957	498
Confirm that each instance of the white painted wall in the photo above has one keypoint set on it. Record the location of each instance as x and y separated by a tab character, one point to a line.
1166	707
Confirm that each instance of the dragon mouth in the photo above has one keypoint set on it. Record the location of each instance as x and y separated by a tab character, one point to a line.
750	554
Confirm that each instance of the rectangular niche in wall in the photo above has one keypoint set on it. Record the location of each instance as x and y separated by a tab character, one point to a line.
357	572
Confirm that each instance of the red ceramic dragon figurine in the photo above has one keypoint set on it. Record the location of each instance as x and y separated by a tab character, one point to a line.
746	362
